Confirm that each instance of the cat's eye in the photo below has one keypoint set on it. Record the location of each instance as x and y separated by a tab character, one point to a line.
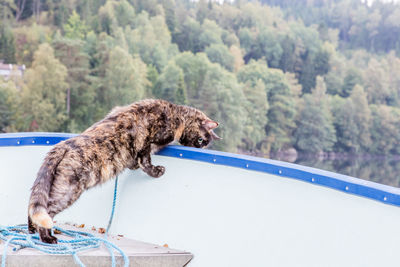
200	140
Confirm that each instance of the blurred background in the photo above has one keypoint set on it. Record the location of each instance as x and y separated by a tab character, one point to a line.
316	82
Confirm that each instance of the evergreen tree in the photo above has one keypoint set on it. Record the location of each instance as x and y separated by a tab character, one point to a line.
249	65
170	15
152	77
253	76
181	95
80	93
282	111
7	44
352	78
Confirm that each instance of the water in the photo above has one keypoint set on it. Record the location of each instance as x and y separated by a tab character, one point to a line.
383	170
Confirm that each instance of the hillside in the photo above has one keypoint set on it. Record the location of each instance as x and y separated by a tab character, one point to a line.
316	76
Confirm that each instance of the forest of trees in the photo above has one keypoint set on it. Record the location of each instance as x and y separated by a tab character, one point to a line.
316	76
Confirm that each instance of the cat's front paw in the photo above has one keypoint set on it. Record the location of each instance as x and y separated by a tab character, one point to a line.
157	171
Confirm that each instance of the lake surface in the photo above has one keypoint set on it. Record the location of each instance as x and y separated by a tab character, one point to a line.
383	170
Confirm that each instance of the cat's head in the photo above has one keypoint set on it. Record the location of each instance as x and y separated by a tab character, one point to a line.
199	133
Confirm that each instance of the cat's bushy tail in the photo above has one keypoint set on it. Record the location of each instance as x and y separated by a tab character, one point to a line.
37	210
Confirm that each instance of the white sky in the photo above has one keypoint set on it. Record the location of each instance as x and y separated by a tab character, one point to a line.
387	1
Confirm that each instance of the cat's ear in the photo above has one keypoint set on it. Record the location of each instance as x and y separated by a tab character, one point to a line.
209	124
214	136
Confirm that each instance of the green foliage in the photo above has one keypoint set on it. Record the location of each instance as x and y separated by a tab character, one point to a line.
43	99
125	79
75	28
170	14
216	91
187	36
219	53
151	40
352	122
80	93
309	75
7	8
352	79
375	28
7	44
170	85
315	131
254	89
8	103
282	110
27	41
385	129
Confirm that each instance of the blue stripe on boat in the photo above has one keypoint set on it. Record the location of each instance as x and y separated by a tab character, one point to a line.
380	192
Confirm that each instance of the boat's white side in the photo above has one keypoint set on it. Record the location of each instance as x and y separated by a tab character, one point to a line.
225	216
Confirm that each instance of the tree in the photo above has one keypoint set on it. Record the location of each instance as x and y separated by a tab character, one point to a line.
7	44
152	77
125	79
352	78
7	9
170	84
288	58
75	28
219	53
282	111
210	34
238	57
256	106
8	105
124	13
352	122
151	40
385	129
170	15
314	125
217	92
268	47
187	36
80	94
107	18
377	84
27	41
43	103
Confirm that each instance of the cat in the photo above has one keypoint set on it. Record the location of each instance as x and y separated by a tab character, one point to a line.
125	138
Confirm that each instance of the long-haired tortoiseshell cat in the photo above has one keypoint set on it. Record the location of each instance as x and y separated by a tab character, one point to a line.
125	138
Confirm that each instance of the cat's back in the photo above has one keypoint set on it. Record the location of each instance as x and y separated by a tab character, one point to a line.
138	114
122	126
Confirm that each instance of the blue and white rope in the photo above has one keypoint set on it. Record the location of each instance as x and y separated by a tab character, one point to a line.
19	237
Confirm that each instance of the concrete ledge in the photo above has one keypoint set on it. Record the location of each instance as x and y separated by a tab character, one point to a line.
140	255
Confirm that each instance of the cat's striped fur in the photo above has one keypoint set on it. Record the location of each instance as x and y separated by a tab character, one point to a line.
125	138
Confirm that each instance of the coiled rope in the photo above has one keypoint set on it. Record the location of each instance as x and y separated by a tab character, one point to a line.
19	237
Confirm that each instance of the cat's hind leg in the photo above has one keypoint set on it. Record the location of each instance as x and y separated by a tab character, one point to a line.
46	236
31	226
